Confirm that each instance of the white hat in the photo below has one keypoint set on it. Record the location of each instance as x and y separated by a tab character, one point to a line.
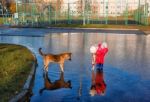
93	49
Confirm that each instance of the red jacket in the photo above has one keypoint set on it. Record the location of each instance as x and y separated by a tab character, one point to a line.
99	83
100	54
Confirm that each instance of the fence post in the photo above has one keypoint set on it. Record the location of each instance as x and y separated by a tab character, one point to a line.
2	13
103	12
146	13
32	14
68	13
55	13
139	13
106	17
83	11
49	14
148	7
126	13
16	19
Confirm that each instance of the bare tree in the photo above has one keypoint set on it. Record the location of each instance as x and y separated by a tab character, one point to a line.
3	2
42	4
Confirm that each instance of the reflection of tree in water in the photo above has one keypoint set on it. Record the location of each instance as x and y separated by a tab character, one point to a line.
61	83
98	85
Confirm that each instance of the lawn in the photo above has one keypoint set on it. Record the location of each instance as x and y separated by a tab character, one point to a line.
140	27
15	65
1	20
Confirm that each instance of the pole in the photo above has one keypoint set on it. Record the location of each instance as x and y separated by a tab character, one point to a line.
2	12
103	10
68	13
126	13
139	13
55	13
49	14
16	19
106	18
88	10
148	7
83	10
16	6
32	14
146	12
116	14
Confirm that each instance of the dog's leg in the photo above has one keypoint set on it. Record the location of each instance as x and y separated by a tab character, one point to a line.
45	72
62	67
46	68
46	63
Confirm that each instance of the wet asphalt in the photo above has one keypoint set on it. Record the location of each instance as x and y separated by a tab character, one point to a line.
126	69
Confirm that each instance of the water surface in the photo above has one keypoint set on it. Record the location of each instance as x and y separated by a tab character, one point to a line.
126	69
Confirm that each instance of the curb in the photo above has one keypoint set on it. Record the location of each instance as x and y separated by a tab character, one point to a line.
27	88
102	30
73	28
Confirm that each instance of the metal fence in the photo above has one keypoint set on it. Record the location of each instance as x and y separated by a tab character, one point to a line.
81	12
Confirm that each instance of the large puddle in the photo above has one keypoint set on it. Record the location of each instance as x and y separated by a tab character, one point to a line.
126	70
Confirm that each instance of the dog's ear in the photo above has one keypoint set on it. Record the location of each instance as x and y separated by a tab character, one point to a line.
69	84
69	81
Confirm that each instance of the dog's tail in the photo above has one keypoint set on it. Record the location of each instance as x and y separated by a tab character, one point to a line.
40	51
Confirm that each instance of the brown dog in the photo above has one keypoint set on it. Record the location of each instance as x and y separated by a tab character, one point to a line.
60	83
60	59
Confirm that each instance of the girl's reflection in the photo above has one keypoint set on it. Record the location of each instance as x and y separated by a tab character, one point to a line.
61	83
98	85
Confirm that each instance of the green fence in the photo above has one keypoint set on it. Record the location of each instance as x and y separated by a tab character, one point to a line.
80	12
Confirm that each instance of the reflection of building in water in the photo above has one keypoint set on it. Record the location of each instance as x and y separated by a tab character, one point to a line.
60	83
98	86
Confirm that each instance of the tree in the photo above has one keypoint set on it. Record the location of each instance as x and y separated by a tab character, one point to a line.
79	4
12	7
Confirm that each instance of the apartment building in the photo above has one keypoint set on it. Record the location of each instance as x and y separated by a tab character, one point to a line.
101	7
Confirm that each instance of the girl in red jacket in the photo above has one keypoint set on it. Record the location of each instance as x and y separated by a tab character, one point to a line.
98	55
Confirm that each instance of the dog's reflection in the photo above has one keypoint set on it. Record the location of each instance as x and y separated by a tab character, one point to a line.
98	85
61	83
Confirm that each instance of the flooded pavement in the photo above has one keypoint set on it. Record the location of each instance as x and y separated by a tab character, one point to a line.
126	70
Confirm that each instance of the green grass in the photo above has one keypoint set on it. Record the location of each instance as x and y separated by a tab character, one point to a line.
140	27
1	20
15	65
